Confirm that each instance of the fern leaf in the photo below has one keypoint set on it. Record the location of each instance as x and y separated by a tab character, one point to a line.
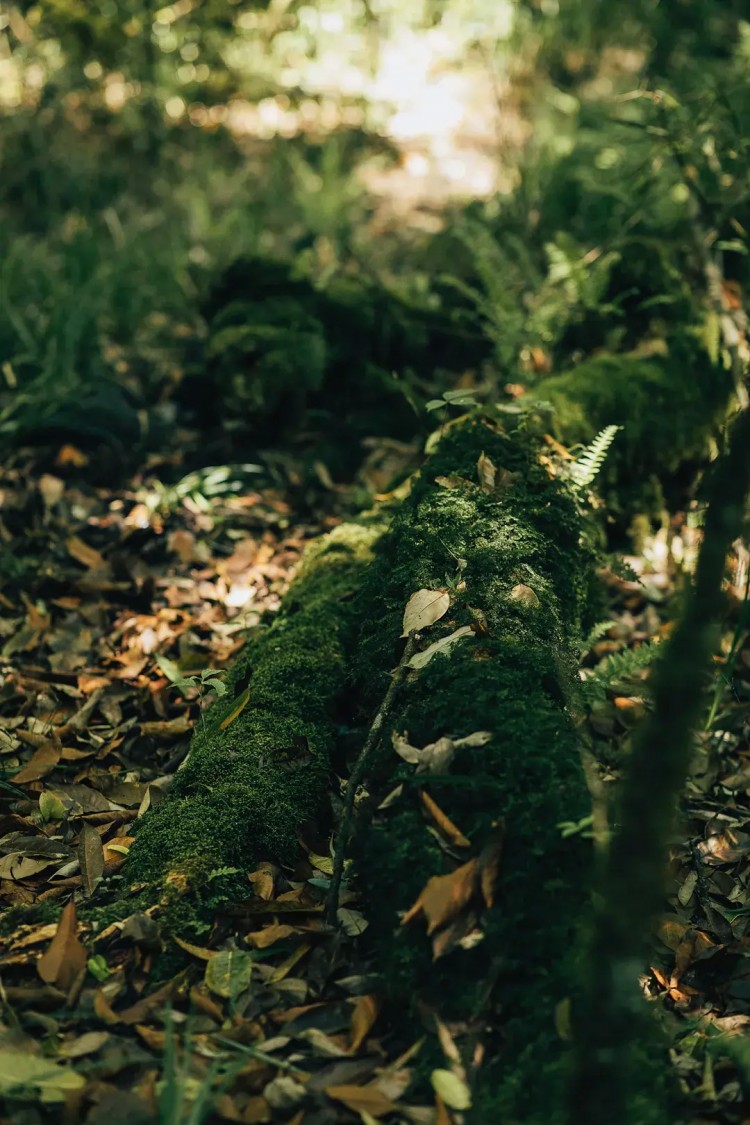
584	470
620	666
599	630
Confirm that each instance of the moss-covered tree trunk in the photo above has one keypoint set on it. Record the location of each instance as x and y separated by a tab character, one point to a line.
500	542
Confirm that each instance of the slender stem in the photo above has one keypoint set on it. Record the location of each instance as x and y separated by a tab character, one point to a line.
359	772
630	885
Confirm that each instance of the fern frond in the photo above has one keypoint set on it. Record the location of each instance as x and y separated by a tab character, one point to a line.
584	470
599	630
620	666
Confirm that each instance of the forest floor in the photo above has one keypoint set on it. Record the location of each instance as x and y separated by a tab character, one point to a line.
106	583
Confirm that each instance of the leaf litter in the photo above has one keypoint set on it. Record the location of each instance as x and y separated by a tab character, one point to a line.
91	732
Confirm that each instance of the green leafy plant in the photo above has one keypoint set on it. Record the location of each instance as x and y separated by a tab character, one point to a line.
452	398
588	464
618	667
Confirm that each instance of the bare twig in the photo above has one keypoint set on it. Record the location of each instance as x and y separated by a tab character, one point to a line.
359	772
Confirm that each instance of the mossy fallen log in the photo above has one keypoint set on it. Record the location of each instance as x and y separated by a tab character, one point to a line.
504	545
519	577
259	762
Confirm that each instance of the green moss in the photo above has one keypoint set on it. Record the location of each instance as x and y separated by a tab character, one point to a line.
513	679
249	785
666	407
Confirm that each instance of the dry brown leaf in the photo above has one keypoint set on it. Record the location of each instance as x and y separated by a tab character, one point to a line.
487	472
444	822
268	936
263	880
365	1013
525	596
65	959
445	896
362	1099
116	852
143	1009
194	950
42	762
91	859
84	554
151	1037
103	1009
168	728
424	608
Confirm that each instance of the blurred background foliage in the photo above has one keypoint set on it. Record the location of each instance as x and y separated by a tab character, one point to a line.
280	217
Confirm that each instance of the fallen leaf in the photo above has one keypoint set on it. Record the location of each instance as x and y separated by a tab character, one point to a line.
487	472
85	1044
263	880
277	931
69	455
524	595
65	958
194	950
42	762
24	1073
425	608
229	972
168	728
451	1089
421	659
445	896
236	710
351	921
90	858
84	554
116	852
366	1011
362	1099
453	481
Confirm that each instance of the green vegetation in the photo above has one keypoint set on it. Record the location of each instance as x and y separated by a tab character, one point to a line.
259	763
244	248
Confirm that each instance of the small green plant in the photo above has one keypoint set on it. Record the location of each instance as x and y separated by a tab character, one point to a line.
185	1098
209	680
588	464
452	398
595	635
580	827
618	667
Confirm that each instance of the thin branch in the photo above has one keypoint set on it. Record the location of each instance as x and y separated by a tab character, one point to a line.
359	772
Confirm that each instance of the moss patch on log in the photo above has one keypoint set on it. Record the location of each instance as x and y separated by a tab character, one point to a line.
512	678
252	780
666	407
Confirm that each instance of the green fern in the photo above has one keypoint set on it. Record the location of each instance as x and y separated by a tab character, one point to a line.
599	630
585	469
618	667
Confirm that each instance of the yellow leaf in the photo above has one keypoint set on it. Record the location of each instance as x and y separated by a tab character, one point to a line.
363	1017
451	1089
194	950
236	710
